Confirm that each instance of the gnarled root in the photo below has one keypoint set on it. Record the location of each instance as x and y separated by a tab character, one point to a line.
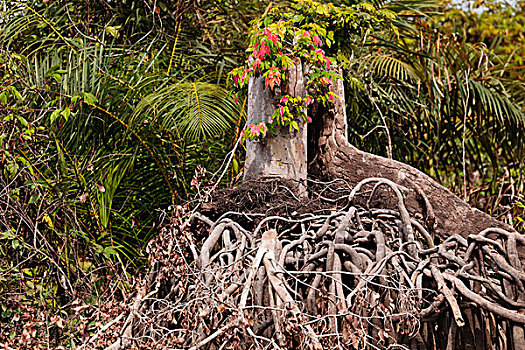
351	277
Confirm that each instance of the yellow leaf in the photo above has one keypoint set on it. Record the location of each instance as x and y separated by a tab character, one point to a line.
48	221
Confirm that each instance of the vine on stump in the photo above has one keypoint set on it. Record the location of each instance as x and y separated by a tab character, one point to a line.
280	37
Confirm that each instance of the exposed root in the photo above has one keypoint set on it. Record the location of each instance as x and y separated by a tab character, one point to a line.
350	277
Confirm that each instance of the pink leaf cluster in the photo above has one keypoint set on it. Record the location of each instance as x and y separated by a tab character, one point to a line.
268	44
309	100
273	77
256	64
326	80
264	48
326	59
317	41
255	131
273	37
240	79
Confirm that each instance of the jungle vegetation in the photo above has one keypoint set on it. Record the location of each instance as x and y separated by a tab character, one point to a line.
114	114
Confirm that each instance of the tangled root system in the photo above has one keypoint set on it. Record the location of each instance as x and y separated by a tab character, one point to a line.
338	270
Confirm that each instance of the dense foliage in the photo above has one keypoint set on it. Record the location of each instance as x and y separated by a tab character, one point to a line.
109	114
445	102
112	113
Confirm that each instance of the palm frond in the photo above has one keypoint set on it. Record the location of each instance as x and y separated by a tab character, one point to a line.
388	66
193	111
430	96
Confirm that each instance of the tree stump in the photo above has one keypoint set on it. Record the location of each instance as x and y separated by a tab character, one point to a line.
276	156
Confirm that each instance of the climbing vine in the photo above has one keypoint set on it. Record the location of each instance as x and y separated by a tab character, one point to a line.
320	35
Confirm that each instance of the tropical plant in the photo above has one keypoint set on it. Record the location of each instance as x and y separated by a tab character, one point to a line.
112	112
91	153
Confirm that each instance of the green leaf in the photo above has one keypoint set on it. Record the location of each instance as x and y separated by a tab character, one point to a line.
112	30
22	121
34	198
89	98
99	249
57	77
54	116
15	92
66	113
109	251
52	70
12	169
235	165
7	235
26	163
15	243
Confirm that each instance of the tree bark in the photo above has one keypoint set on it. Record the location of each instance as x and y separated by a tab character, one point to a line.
282	155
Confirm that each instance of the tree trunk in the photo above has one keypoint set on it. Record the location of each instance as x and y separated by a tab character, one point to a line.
282	155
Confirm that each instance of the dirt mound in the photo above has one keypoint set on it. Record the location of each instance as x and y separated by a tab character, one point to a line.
270	197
